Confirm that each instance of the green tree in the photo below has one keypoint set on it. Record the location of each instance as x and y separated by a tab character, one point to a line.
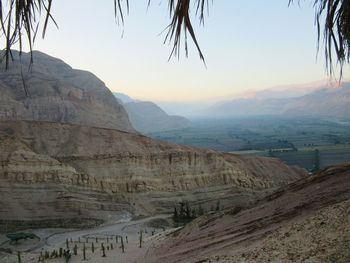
217	208
182	210
316	167
176	214
188	211
200	210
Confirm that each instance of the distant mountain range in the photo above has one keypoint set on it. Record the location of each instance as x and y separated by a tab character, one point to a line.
147	117
327	101
123	98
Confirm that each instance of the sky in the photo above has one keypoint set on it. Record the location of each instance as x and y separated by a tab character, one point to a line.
248	45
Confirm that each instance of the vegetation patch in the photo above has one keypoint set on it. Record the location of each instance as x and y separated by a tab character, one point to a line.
311	143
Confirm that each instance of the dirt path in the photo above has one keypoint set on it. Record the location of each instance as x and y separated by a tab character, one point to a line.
108	235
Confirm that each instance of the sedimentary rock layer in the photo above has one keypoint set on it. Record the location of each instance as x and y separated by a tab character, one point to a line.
129	171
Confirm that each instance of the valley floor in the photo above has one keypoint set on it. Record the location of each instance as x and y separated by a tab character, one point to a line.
323	236
305	221
53	239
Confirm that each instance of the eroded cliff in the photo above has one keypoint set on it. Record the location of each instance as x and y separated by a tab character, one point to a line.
68	151
142	174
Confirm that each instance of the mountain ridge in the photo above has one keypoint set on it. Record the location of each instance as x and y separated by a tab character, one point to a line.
51	90
147	117
326	102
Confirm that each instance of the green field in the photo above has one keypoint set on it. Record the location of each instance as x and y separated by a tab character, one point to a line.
293	140
305	157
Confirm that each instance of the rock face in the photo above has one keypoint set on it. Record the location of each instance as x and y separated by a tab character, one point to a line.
51	90
37	187
147	117
306	221
126	165
129	162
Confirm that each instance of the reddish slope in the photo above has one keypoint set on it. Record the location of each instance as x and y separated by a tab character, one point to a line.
236	236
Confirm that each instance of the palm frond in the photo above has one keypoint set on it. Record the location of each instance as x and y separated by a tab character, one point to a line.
332	18
118	9
181	24
20	18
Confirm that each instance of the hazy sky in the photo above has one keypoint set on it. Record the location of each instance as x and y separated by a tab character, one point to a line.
248	45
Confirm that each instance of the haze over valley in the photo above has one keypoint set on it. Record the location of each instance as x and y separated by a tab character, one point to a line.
305	125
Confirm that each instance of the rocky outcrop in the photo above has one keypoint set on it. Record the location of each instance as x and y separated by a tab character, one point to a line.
50	90
133	163
37	187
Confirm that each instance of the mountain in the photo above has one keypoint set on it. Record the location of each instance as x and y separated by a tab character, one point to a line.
326	102
69	154
289	91
50	90
124	98
189	109
195	109
305	221
147	117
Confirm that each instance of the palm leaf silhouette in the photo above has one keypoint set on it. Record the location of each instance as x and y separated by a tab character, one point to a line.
20	18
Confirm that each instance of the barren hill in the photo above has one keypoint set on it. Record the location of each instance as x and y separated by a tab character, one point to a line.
65	158
50	90
306	221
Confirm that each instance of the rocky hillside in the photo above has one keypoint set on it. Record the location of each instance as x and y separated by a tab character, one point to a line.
306	221
123	165
50	90
37	187
147	117
68	151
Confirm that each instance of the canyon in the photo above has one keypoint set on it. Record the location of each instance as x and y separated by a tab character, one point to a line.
73	166
68	150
